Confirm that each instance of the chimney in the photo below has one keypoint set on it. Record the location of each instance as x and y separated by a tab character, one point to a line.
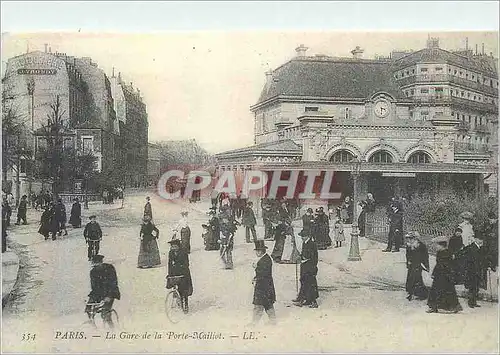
301	50
46	45
476	48
466	43
483	48
50	49
433	42
269	78
357	52
113	74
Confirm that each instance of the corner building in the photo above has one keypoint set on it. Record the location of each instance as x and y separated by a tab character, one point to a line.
395	123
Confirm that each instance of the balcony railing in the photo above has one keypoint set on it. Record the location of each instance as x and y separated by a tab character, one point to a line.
463	126
483	106
427	78
464	147
482	129
432	98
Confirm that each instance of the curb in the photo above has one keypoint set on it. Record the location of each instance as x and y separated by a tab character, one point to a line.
9	283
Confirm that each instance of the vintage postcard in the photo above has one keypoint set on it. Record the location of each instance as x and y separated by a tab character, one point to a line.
244	191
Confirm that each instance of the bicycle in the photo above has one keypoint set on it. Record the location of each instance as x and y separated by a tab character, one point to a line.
93	246
98	307
173	302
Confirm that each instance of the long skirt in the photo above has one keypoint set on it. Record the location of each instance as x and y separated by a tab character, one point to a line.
279	244
149	254
442	294
415	284
186	239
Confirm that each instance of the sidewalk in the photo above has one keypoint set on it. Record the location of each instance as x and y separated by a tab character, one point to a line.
10	268
24	234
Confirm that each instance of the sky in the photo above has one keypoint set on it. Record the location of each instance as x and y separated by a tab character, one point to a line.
201	84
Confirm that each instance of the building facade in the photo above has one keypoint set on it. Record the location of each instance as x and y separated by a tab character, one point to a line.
396	124
32	85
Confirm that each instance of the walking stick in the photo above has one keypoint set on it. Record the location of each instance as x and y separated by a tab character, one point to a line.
297	277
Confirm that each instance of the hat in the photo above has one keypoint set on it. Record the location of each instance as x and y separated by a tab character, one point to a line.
466	215
319	209
92	216
310	210
249	203
184	213
175	241
259	245
97	258
303	233
440	240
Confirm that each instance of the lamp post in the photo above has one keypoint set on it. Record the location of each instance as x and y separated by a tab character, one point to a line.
86	199
354	254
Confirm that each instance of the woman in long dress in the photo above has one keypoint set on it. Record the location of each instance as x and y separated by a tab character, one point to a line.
149	254
75	218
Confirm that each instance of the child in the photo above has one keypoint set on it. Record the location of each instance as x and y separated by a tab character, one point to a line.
338	233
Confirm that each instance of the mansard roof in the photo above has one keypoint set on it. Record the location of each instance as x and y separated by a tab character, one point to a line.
438	55
286	147
329	77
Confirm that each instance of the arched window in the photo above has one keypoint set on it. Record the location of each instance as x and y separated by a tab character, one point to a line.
342	156
419	158
381	156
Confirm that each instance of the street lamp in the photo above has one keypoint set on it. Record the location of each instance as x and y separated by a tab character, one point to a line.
354	254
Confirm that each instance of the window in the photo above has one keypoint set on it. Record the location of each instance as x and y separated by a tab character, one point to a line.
23	165
419	158
475	121
412	91
424	115
381	157
413	71
347	113
463	117
311	109
87	145
439	68
342	156
455	72
424	91
423	70
473	77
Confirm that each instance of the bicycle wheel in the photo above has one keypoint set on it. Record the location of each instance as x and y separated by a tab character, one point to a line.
173	306
114	319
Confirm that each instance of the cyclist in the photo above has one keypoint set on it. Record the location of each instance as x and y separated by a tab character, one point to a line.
104	287
178	265
93	235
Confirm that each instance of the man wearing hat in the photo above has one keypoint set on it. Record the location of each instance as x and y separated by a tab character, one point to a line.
308	292
249	221
264	294
395	228
267	216
212	234
442	294
417	259
178	265
476	265
93	235
491	240
104	287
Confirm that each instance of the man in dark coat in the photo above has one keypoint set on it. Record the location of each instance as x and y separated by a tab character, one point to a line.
104	287
308	221
267	216
178	265
21	210
308	292
475	270
93	236
395	228
322	230
249	221
417	259
264	294
212	242
61	217
75	218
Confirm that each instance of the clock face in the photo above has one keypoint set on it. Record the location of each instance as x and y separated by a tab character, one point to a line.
382	108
